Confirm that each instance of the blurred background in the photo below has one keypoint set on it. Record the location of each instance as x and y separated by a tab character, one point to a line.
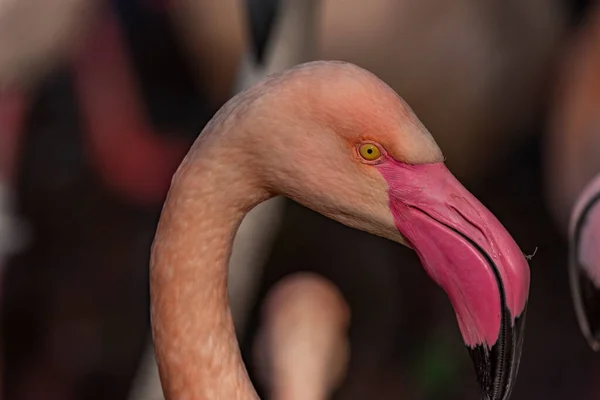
92	129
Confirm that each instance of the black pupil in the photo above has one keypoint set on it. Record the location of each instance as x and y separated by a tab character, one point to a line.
370	151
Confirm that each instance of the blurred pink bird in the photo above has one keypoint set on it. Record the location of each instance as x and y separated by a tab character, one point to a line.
302	347
127	153
573	171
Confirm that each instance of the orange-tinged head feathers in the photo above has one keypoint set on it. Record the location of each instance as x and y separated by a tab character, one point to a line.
358	106
301	136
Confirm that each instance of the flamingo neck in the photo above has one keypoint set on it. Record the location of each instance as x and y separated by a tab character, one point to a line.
196	346
307	374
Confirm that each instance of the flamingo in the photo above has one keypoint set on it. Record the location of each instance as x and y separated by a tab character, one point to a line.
336	139
302	348
573	171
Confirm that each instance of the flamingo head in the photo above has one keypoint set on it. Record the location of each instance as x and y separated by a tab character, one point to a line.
351	149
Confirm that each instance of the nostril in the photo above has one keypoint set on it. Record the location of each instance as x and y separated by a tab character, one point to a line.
469	222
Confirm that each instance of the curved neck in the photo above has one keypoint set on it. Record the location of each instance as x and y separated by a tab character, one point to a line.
196	347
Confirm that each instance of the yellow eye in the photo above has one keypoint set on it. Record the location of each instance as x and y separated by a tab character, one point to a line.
369	152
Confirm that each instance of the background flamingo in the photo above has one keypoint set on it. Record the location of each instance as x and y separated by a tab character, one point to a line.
573	170
302	349
115	121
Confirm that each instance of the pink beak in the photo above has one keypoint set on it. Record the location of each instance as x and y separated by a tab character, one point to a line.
466	251
584	266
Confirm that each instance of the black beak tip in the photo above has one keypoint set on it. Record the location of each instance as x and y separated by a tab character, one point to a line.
497	367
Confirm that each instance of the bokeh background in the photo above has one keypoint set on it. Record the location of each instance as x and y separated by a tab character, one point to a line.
481	74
